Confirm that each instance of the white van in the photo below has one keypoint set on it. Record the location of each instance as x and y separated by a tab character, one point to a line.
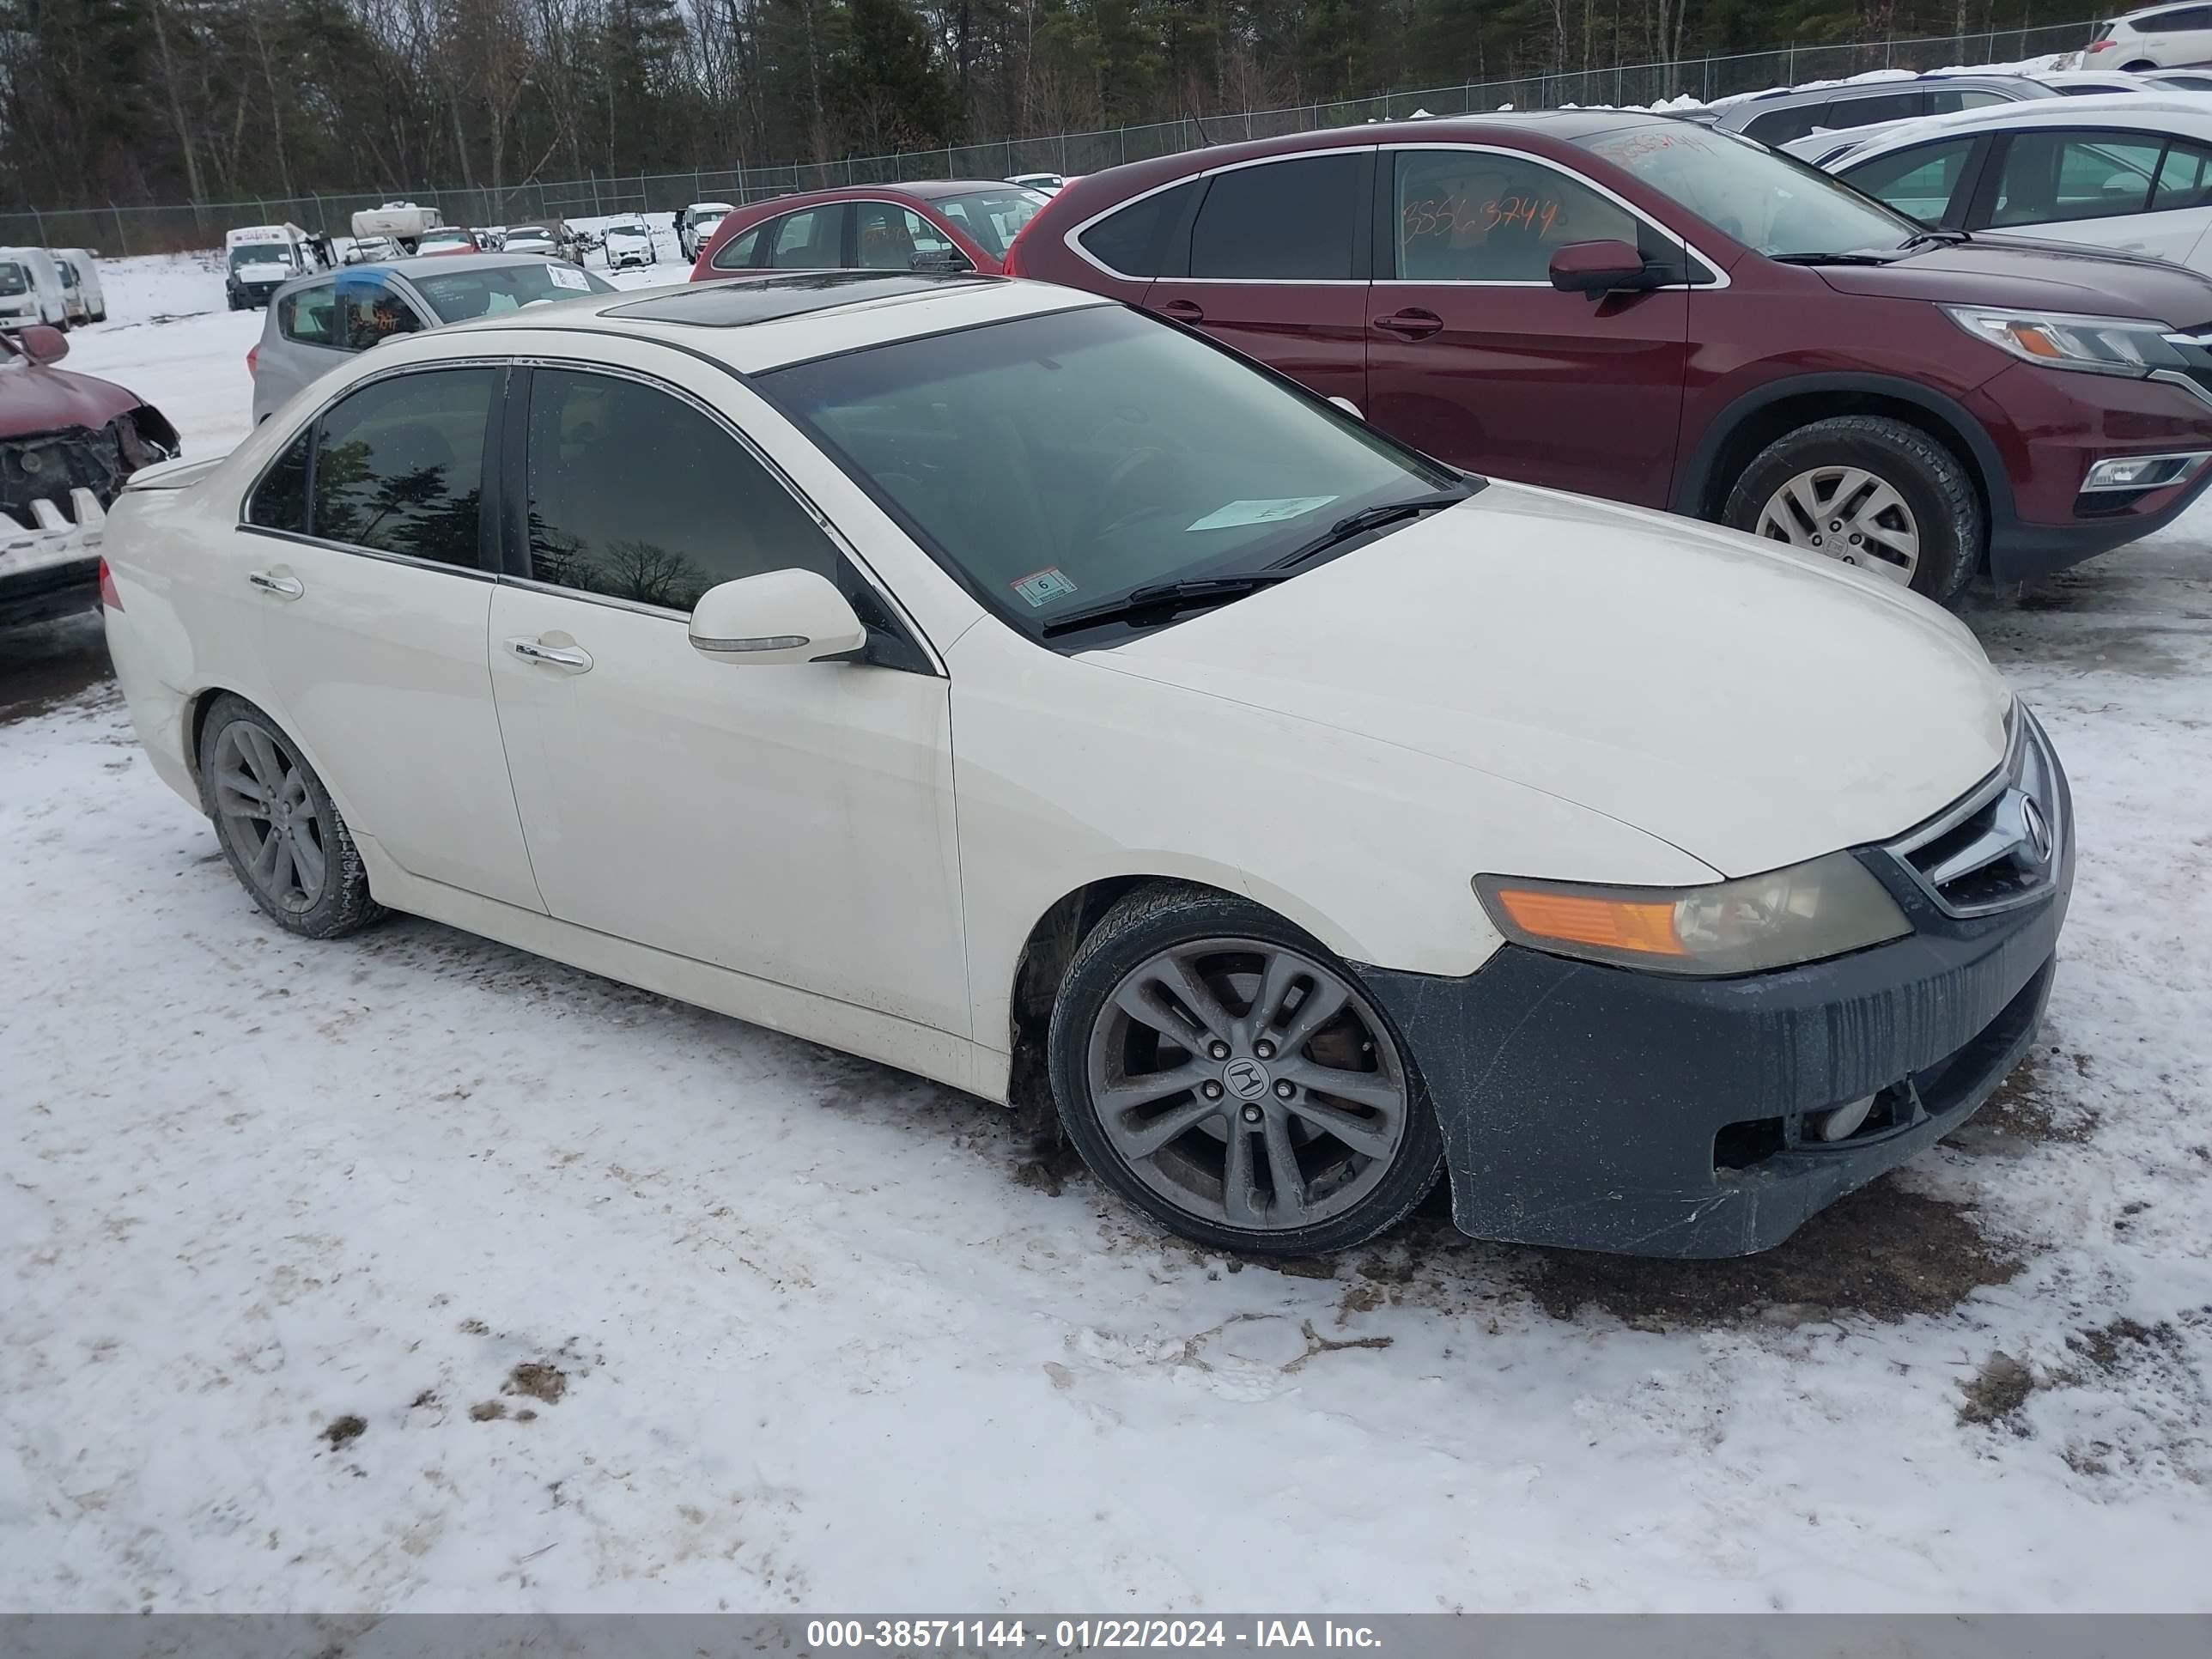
697	225
260	259
85	261
403	222
31	288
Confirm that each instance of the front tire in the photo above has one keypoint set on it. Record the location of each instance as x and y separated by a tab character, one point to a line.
1871	492
281	832
1221	1071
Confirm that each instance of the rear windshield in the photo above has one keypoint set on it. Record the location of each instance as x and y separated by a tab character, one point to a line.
521	231
442	236
12	278
459	296
992	218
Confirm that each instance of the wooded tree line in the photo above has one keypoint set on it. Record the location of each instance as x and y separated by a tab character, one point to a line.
129	101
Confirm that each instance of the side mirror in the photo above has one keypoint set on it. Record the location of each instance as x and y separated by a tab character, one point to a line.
1348	407
782	616
1598	269
45	344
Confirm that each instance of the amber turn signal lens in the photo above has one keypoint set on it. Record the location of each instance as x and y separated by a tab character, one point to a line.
1615	923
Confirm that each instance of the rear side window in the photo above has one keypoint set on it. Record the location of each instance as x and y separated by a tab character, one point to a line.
1142	239
1281	221
398	465
742	251
812	239
1869	108
1949	100
2188	17
1779	126
1483	216
370	311
281	502
1918	181
696	506
2053	177
310	315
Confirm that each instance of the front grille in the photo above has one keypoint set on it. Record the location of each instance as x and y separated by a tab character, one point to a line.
2004	843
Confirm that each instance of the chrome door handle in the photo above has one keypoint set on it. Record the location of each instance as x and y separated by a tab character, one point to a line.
282	583
574	659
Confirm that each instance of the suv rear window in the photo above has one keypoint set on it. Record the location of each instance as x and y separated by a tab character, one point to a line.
1281	221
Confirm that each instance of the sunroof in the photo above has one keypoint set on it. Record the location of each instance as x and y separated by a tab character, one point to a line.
763	299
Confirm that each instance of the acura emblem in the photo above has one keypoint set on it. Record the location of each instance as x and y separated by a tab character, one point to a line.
2038	829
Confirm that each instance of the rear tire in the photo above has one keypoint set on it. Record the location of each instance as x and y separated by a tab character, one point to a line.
1223	1071
1869	491
281	832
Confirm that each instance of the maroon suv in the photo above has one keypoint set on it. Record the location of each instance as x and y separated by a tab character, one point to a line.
1640	307
945	224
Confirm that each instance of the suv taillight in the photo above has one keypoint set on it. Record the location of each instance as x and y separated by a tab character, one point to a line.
2100	45
253	359
108	596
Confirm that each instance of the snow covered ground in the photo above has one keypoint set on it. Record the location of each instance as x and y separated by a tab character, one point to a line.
413	1273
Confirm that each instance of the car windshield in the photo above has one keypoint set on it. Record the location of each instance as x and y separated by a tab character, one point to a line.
1055	463
992	218
633	229
523	232
440	238
261	253
458	296
12	278
1781	207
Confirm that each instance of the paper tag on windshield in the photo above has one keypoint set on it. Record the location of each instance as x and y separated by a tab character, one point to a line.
1236	513
1041	587
568	277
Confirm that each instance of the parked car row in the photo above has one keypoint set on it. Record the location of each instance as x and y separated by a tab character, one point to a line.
58	287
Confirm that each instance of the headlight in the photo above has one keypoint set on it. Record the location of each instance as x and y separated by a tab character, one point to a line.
1823	908
2101	345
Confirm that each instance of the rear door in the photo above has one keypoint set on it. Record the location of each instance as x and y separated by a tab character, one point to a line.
375	594
309	342
2137	193
1475	358
1277	265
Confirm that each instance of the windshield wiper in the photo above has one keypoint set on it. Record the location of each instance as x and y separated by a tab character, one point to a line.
1373	518
1165	598
1934	238
1853	257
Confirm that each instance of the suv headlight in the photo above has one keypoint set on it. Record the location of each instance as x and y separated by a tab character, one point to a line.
1825	907
2101	345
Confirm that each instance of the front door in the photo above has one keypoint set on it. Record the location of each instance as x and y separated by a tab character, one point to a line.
374	599
1276	268
792	823
1475	358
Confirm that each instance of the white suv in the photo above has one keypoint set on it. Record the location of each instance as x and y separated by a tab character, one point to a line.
2163	37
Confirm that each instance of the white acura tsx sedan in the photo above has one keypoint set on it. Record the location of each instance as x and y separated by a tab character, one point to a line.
1004	684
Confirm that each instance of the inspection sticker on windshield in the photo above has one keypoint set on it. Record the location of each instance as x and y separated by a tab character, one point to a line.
568	277
1041	587
1236	513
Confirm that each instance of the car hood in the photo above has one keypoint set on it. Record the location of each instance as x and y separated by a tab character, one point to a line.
1750	705
2013	270
35	398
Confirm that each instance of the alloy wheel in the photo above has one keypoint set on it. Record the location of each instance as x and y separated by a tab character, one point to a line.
1248	1083
1848	513
269	816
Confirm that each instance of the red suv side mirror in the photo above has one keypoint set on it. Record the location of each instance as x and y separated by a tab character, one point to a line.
45	344
1598	268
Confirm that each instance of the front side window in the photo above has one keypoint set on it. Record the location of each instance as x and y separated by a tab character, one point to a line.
695	508
1780	207
1055	463
2184	177
398	465
459	296
810	239
1949	100
894	238
1485	216
310	315
1281	221
370	310
1918	181
991	218
13	279
2052	177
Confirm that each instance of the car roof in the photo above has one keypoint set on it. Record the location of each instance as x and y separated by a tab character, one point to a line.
429	265
756	323
2138	112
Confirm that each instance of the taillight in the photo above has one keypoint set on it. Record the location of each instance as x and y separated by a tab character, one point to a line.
253	359
108	596
2100	45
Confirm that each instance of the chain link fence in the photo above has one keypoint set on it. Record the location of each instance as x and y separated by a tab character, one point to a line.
121	230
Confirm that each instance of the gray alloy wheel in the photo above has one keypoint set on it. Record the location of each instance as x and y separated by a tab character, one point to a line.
269	822
1248	1083
1848	513
281	832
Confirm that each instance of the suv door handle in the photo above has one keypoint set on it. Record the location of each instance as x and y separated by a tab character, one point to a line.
1411	323
572	659
1184	311
280	581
